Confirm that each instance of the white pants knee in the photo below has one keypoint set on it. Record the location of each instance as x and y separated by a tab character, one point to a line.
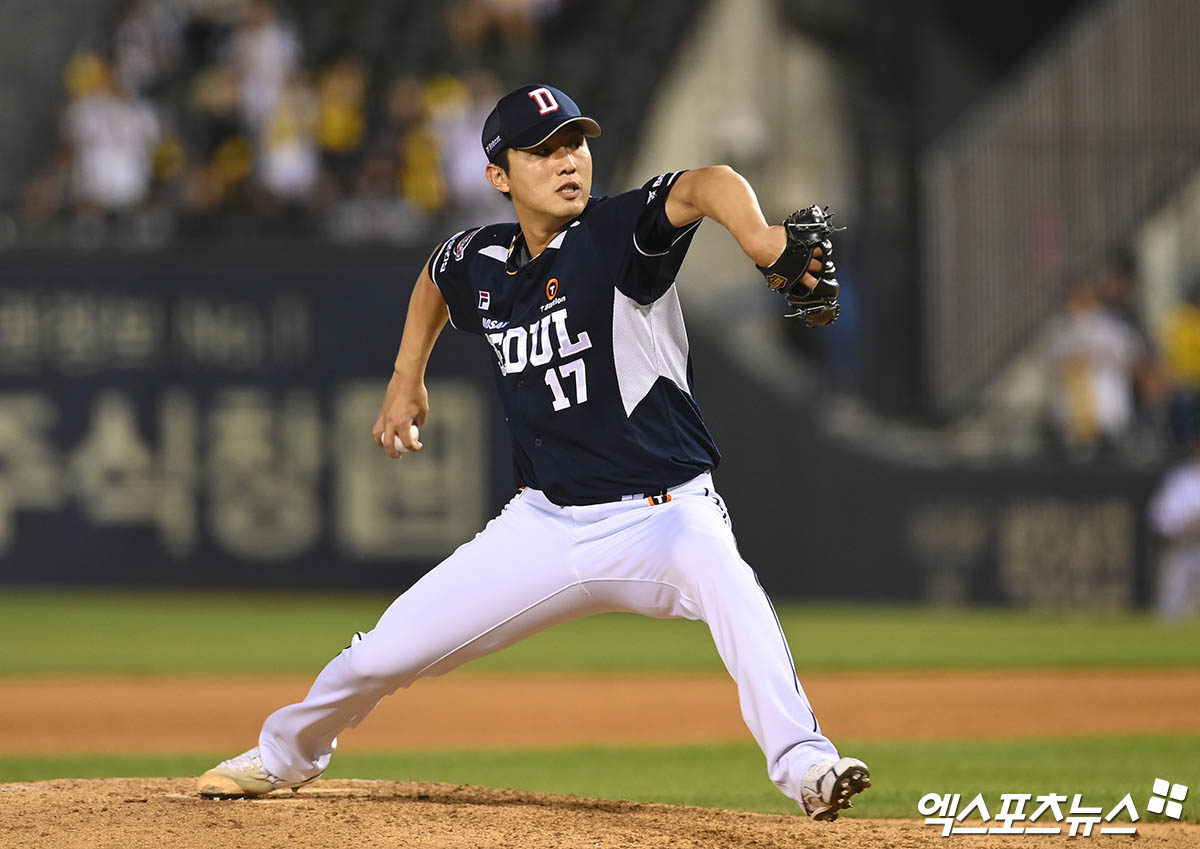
537	564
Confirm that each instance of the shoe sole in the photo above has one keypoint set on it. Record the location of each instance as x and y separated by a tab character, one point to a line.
214	786
853	781
220	787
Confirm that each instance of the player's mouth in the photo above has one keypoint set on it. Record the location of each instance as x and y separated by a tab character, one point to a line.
570	191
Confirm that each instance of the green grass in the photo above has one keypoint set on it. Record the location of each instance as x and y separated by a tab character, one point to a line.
733	776
79	632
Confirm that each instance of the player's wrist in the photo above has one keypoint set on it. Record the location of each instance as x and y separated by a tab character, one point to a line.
406	371
765	245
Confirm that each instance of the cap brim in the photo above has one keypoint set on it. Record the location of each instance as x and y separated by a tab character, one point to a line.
544	131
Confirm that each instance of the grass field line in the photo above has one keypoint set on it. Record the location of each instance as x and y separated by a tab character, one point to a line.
64	631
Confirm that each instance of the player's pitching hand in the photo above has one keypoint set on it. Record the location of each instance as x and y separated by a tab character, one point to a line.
413	443
401	441
404	409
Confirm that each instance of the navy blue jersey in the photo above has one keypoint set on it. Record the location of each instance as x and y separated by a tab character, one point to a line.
592	357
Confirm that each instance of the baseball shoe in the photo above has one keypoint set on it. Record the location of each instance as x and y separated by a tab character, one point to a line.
828	786
244	775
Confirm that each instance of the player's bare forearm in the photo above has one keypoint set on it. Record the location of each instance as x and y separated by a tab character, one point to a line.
722	194
406	402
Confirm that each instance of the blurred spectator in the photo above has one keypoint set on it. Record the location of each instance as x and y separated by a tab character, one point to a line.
457	123
403	109
419	150
1117	290
147	43
421	182
110	136
1182	350
214	108
265	53
288	159
223	181
1175	514
342	118
1095	359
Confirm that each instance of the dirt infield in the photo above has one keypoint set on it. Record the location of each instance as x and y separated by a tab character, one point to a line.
159	813
217	714
189	714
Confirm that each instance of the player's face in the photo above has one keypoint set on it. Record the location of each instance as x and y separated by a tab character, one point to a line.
553	179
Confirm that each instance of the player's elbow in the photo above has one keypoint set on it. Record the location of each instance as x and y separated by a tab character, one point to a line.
697	192
718	172
715	182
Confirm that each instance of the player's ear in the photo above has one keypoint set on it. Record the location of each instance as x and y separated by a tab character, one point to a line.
498	177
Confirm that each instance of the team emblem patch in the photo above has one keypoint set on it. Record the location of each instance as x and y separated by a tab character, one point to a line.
551	288
485	299
461	247
775	280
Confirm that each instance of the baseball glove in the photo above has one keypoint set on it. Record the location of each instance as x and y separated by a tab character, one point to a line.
807	230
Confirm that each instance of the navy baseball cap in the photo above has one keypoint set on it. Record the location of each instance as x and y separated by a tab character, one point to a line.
530	115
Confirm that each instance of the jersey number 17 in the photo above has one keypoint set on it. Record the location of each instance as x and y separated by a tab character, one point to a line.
575	369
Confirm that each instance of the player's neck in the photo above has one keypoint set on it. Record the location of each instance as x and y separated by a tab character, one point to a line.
539	232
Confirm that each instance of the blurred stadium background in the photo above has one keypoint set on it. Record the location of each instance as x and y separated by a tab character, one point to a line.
211	212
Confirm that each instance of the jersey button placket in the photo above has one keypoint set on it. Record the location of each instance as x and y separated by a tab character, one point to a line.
537	440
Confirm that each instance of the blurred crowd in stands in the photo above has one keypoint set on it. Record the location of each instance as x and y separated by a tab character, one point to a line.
1115	384
209	117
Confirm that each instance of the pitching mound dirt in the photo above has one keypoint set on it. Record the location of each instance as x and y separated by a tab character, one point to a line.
158	813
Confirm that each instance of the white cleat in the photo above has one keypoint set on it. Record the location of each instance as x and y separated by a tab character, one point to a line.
244	775
828	786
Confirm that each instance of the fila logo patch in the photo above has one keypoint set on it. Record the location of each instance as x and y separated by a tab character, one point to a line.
485	299
545	100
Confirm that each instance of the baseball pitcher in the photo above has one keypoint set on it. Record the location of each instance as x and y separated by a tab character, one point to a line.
616	508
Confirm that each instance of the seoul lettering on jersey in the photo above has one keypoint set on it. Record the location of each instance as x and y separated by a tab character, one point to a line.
536	346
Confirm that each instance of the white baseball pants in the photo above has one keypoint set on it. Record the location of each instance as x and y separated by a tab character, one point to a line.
538	564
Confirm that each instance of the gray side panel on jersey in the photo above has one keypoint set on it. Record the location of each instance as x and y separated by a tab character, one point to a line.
649	342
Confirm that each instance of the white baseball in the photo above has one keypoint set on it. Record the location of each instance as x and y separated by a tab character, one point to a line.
413	434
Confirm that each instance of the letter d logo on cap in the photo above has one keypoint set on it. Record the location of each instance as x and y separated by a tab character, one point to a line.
545	100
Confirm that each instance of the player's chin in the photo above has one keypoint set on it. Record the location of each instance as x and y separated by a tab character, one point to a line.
569	207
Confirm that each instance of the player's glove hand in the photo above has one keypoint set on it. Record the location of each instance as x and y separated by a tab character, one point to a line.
807	230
